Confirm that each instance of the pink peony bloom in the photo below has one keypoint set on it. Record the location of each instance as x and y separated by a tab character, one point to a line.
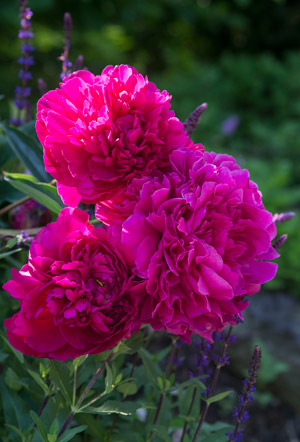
100	132
203	240
77	293
117	210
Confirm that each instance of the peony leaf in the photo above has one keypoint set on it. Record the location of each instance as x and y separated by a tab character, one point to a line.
16	410
43	193
108	380
17	431
17	353
27	150
13	381
10	252
29	129
59	374
80	360
150	368
39	381
40	425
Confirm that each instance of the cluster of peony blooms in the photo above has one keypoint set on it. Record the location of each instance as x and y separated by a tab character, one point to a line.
186	239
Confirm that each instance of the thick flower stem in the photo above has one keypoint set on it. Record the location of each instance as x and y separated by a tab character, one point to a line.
213	385
162	396
84	394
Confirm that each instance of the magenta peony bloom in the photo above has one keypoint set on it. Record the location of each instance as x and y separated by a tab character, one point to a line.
100	132
203	240
77	292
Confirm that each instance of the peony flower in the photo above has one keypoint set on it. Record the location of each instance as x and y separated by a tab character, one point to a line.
202	239
100	132
77	293
117	210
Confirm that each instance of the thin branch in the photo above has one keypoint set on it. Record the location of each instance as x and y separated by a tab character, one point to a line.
13	205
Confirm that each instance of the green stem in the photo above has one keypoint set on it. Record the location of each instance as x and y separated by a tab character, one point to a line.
162	395
84	394
189	412
74	386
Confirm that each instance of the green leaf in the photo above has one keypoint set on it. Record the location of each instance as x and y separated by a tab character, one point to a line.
192	381
3	356
10	252
17	431
15	410
135	341
52	435
108	380
29	129
118	407
218	397
128	388
68	435
43	193
118	378
54	426
59	374
27	150
40	426
17	353
161	432
80	360
150	368
12	242
13	381
39	381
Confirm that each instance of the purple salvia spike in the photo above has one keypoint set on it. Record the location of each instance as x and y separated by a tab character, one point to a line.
280	241
23	92
283	217
66	64
191	122
240	414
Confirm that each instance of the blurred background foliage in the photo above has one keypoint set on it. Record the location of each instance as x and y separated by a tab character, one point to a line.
240	56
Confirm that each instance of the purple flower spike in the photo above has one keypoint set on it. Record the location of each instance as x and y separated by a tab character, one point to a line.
239	413
192	121
23	92
283	217
280	241
66	64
